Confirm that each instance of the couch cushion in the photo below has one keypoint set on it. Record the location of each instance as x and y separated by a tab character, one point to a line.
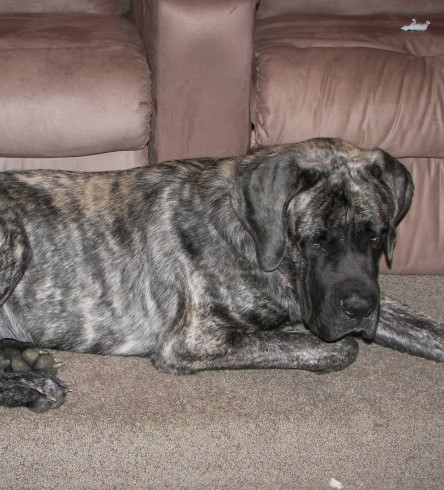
110	7
359	78
70	85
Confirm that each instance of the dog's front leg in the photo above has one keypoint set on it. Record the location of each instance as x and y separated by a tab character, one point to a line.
405	330
197	349
27	377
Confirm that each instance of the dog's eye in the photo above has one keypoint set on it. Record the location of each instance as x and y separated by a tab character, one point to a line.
316	241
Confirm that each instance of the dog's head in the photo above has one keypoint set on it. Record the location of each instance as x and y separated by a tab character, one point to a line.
322	212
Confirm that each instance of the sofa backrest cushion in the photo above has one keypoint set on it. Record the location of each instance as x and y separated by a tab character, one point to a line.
272	8
108	7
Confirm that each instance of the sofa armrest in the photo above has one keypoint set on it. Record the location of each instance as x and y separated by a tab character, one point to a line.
200	55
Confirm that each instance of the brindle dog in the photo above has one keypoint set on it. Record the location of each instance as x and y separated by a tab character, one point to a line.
203	264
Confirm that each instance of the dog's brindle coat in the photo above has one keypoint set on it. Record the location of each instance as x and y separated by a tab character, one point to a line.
204	264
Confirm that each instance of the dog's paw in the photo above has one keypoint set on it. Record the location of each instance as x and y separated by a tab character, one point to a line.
37	390
32	359
167	367
23	357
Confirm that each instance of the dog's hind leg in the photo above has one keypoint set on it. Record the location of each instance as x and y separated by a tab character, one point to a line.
15	252
277	349
27	377
405	330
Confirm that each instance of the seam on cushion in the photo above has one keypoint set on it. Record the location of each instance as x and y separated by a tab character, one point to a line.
89	48
259	119
355	46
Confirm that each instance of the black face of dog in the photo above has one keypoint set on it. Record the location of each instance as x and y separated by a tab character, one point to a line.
322	211
338	246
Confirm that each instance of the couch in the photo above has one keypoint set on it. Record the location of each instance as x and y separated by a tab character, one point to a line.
319	68
75	89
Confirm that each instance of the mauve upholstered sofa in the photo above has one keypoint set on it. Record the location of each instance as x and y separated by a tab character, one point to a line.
102	84
74	86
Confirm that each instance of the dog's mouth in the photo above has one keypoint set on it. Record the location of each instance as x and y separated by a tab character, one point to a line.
332	331
335	337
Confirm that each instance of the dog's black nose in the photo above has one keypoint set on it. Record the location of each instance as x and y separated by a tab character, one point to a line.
358	306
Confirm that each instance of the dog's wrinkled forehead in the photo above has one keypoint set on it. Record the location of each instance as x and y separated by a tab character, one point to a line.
347	193
317	186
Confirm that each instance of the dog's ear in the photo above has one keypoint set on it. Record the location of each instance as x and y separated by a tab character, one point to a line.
399	180
260	200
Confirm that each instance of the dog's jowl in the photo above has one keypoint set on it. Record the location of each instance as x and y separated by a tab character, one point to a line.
264	261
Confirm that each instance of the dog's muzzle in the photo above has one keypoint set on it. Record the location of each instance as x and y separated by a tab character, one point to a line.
351	308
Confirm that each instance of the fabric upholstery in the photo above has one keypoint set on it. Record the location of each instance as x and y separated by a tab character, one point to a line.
110	7
201	55
71	85
359	78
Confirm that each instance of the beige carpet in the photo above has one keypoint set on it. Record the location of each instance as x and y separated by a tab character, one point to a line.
377	425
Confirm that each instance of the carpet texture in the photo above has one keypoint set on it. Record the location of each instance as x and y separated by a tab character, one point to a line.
379	424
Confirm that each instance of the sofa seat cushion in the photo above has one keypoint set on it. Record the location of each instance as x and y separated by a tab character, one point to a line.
71	85
360	78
